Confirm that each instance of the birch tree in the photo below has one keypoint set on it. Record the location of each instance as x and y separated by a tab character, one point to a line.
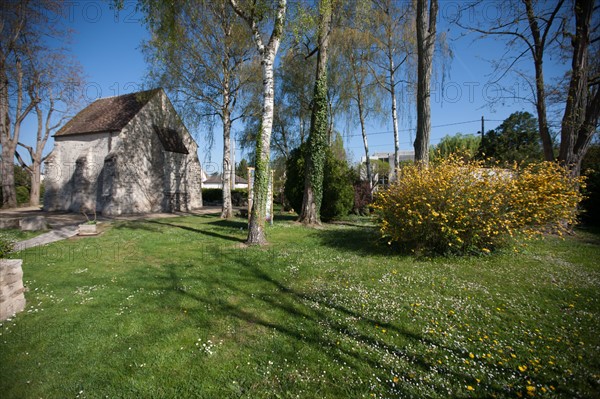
267	44
362	96
426	21
395	43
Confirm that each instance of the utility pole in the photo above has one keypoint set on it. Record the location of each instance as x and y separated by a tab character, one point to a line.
482	128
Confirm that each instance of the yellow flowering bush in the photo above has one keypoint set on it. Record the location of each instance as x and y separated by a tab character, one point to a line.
463	207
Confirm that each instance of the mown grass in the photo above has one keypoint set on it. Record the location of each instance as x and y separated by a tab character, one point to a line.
180	308
15	235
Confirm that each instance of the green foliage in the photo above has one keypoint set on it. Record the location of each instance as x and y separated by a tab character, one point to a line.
515	140
6	245
317	142
591	170
338	195
467	145
212	195
460	207
241	168
22	186
215	195
22	195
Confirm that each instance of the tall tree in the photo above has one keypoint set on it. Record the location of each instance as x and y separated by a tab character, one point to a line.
253	14
17	27
395	42
515	140
464	145
317	139
32	37
54	88
582	108
357	50
426	21
529	28
199	51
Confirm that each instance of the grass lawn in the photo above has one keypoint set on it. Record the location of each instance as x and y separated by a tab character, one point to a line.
177	308
20	235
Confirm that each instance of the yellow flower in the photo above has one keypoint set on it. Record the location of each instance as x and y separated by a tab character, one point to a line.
522	368
470	388
396	379
472	356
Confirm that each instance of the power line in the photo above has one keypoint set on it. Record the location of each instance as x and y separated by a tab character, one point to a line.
433	127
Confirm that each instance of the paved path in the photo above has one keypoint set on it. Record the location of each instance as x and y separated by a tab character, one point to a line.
47	238
65	225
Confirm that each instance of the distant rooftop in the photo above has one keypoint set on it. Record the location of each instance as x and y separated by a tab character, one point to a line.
217	179
405	155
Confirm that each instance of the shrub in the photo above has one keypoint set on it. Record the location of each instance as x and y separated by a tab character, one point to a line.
22	195
457	207
338	195
239	196
212	195
591	169
362	197
6	245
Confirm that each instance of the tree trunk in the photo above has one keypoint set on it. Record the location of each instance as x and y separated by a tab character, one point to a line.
9	195
227	208
363	131
426	31
256	228
256	225
394	119
582	109
540	106
34	194
317	140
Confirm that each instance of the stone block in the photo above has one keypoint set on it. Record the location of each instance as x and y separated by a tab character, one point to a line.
87	230
33	223
9	223
12	297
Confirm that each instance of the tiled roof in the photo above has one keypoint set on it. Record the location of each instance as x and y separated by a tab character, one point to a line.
218	179
107	114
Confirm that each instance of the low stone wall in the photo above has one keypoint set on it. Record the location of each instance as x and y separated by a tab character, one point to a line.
12	297
33	223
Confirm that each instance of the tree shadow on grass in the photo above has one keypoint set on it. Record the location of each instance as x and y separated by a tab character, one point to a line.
137	225
199	231
230	223
364	240
317	321
285	217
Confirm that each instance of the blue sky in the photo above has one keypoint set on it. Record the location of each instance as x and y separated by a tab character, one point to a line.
107	44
